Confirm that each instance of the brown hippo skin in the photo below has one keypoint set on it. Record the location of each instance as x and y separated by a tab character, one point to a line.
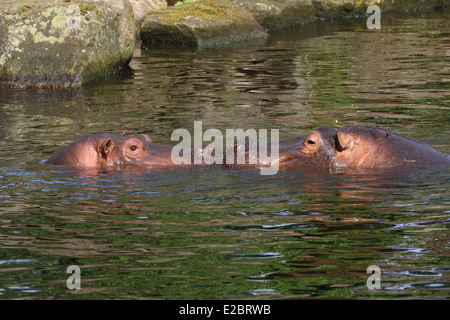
354	147
104	151
314	151
367	148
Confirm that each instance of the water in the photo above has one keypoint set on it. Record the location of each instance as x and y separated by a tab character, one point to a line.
211	233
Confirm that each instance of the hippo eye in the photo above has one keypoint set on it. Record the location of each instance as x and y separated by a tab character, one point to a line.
133	148
311	142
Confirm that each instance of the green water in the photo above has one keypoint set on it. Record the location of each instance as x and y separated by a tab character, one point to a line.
212	233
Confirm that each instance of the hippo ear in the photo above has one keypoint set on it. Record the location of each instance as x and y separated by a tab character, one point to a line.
106	147
344	141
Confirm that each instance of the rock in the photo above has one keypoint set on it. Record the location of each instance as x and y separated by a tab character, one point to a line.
331	9
408	5
63	43
211	23
172	2
278	14
141	7
49	44
203	23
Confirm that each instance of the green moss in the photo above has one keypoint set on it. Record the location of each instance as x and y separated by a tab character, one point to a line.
334	9
204	23
330	9
85	9
168	35
24	8
171	17
38	52
103	68
203	9
99	15
130	16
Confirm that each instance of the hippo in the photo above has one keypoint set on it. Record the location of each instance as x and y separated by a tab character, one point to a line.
352	147
368	148
107	151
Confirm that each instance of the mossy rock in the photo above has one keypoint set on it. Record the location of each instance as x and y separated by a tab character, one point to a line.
141	7
41	45
204	23
411	5
279	14
330	9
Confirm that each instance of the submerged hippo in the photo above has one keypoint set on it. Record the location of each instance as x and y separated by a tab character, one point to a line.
352	147
105	151
361	147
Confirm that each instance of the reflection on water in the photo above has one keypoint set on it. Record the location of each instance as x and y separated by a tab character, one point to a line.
211	233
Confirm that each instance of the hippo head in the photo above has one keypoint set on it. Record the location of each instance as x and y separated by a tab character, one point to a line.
108	150
359	147
123	150
352	147
367	148
315	151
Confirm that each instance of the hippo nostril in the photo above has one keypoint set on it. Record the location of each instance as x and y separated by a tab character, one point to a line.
311	142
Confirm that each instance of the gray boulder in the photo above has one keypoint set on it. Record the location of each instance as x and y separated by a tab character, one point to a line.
279	14
141	7
203	23
62	44
331	9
